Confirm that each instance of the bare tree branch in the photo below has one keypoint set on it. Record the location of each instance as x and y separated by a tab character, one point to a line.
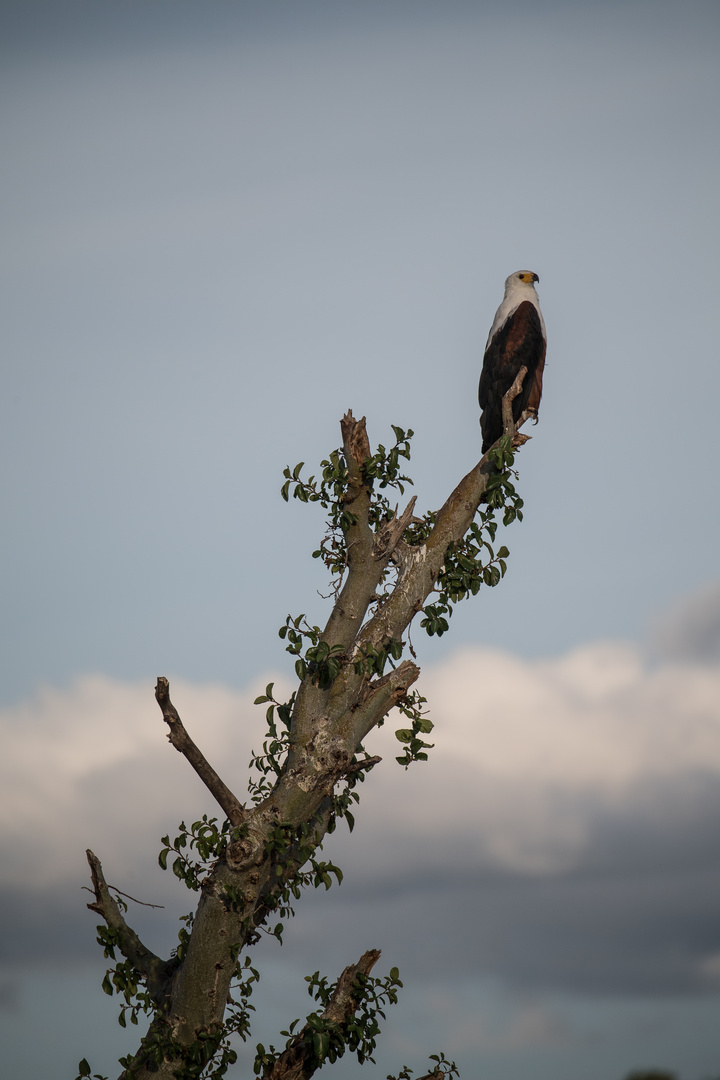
390	535
509	425
363	575
155	970
344	999
366	763
384	694
178	736
362	578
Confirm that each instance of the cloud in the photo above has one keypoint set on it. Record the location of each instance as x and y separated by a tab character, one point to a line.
563	832
90	765
538	753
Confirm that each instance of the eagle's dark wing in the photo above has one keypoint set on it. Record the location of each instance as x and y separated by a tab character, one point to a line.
518	343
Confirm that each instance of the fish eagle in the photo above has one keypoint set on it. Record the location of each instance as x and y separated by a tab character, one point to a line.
516	339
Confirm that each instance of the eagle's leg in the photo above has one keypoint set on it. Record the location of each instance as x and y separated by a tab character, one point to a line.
526	414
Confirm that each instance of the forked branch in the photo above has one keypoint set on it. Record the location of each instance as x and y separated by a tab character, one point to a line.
155	970
391	533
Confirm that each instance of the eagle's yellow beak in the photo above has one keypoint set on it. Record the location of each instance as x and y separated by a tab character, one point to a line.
529	277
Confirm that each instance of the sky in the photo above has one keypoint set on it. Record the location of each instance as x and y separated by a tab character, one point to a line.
224	225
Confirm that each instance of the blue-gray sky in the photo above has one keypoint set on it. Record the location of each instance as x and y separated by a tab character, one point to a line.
224	224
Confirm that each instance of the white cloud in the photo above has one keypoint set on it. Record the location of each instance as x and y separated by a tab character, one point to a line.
594	719
90	765
529	755
529	752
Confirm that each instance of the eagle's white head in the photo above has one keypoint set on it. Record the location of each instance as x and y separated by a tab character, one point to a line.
518	287
521	280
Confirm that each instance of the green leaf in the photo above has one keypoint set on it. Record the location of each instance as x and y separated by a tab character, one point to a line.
403	735
162	858
107	985
394	974
83	1068
321	1043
